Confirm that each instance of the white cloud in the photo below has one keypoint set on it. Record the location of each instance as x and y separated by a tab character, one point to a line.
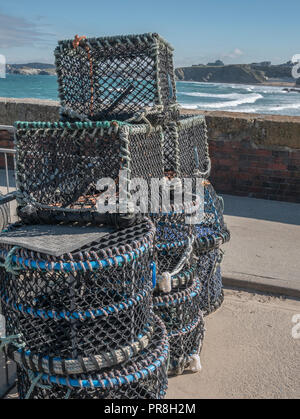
18	32
234	54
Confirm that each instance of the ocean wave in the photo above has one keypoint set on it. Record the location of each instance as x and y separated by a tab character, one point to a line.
252	98
284	107
214	95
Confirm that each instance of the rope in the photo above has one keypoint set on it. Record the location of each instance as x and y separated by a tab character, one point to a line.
68	394
76	43
7	340
153	266
166	277
35	382
8	264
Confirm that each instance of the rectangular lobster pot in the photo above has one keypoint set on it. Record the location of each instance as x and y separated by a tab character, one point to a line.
58	165
142	377
186	153
115	77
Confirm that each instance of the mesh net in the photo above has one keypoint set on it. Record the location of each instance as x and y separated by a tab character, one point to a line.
180	311
212	231
59	166
186	151
173	247
116	77
93	300
209	272
184	344
210	234
193	146
144	377
4	215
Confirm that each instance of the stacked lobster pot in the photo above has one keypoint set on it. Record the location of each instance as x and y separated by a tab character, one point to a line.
78	271
77	296
76	284
186	156
188	240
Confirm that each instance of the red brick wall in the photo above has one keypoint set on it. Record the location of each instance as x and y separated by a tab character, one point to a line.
252	155
238	168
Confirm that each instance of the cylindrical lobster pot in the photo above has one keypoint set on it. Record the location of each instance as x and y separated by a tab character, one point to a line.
83	304
181	313
210	234
4	215
173	248
209	272
144	377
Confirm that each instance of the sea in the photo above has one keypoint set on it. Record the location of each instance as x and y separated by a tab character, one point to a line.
191	95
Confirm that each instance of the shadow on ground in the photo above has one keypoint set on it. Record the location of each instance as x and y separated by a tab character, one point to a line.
262	209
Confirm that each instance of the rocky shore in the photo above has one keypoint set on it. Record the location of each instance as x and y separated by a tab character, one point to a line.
272	75
33	69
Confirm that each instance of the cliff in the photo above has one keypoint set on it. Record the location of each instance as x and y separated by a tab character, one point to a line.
220	74
282	71
31	69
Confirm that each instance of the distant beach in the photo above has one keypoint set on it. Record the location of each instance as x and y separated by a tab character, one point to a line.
267	98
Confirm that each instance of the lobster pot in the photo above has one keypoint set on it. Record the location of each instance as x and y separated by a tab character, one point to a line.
116	77
213	209
181	313
60	167
173	250
143	377
211	231
209	272
4	215
186	153
92	300
210	234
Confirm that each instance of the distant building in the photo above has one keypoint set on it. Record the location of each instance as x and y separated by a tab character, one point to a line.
216	63
262	64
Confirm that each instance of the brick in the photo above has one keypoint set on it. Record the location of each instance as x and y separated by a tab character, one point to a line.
277	166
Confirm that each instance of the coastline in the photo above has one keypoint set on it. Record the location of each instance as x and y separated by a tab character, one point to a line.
270	83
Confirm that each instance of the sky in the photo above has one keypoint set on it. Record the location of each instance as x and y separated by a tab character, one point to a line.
235	31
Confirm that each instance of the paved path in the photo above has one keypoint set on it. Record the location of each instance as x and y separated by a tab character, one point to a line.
264	251
248	351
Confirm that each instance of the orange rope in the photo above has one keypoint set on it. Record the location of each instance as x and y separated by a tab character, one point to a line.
76	43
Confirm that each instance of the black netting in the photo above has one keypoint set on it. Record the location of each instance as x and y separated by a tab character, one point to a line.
144	377
117	77
181	314
59	166
209	272
212	231
186	151
4	215
173	244
193	146
93	300
184	345
210	234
